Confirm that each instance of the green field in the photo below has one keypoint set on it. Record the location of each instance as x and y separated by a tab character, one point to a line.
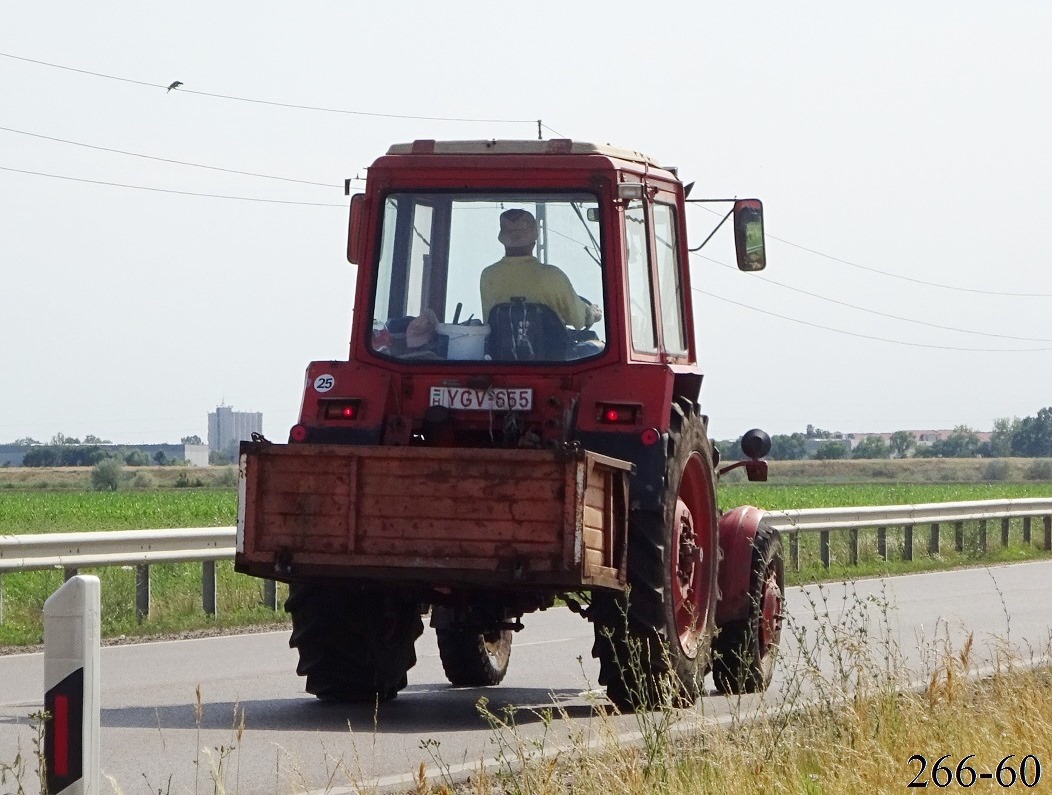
773	496
176	588
86	511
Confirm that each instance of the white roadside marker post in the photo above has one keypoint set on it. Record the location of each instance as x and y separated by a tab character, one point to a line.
72	618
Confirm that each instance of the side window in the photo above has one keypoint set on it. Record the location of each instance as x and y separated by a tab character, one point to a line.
669	285
641	306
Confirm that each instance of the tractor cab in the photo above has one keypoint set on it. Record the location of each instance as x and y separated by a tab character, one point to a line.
526	251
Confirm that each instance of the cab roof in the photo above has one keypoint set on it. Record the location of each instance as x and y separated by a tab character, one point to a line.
554	146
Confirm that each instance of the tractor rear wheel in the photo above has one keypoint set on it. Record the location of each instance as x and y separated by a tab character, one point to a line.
355	643
745	650
474	659
653	642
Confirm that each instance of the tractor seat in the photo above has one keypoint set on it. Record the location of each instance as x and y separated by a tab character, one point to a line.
521	331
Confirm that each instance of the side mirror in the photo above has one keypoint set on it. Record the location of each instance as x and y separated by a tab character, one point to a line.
748	235
356	230
755	444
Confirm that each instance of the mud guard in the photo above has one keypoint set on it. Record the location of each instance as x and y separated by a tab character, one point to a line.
737	531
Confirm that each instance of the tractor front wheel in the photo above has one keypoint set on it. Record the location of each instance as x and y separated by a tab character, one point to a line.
745	650
474	659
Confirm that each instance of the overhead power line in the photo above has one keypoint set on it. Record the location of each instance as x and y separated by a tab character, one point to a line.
168	190
910	278
875	311
888	273
169	160
184	90
868	336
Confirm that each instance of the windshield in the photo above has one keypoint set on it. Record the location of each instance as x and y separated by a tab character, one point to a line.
489	276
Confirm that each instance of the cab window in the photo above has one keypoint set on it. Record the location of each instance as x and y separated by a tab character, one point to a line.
669	284
506	276
640	295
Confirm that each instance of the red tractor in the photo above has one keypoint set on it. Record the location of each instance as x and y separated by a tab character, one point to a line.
518	422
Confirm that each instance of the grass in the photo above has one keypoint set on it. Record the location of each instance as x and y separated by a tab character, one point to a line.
775	495
89	511
855	725
176	604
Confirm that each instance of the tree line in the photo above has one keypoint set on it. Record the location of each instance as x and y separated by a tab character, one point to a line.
1030	437
69	451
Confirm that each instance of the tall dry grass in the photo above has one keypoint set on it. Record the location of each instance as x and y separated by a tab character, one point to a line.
852	718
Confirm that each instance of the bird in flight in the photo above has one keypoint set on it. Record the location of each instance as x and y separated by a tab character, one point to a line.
176	84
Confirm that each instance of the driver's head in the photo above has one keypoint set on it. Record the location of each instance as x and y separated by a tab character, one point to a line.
518	230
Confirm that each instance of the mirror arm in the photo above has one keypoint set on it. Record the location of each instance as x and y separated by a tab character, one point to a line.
714	231
754	468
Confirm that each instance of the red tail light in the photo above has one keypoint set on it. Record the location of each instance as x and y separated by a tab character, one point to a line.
618	413
347	410
298	433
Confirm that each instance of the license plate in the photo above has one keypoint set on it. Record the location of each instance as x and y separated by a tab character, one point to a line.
493	399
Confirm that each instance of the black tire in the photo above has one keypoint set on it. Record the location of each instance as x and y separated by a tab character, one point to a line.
643	661
745	650
474	659
355	644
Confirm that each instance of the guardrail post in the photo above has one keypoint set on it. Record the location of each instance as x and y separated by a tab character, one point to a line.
208	586
142	592
824	543
853	550
270	595
907	542
982	535
68	574
1048	534
882	543
794	550
958	536
934	540
1027	521
1	599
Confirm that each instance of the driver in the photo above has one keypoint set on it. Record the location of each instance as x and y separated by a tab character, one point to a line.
520	274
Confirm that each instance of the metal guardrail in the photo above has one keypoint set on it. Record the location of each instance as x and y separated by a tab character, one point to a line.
115	548
141	548
825	520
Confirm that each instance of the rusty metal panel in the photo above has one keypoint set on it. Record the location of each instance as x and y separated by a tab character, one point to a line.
542	516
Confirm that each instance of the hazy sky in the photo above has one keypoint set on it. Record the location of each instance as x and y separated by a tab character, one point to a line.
895	149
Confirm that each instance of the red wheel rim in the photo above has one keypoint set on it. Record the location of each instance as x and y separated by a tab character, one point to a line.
770	611
691	557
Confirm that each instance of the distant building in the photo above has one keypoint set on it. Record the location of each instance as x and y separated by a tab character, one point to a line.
227	427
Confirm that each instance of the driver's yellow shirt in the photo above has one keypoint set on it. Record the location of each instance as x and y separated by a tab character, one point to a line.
527	277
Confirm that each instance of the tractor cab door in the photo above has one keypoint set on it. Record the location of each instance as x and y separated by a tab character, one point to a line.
655	261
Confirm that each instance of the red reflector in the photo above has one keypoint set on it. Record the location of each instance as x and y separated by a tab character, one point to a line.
298	433
650	436
60	764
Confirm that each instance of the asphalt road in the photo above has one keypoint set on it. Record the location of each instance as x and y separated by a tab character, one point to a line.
151	734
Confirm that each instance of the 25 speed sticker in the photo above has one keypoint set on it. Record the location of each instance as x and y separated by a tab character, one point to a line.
1011	770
